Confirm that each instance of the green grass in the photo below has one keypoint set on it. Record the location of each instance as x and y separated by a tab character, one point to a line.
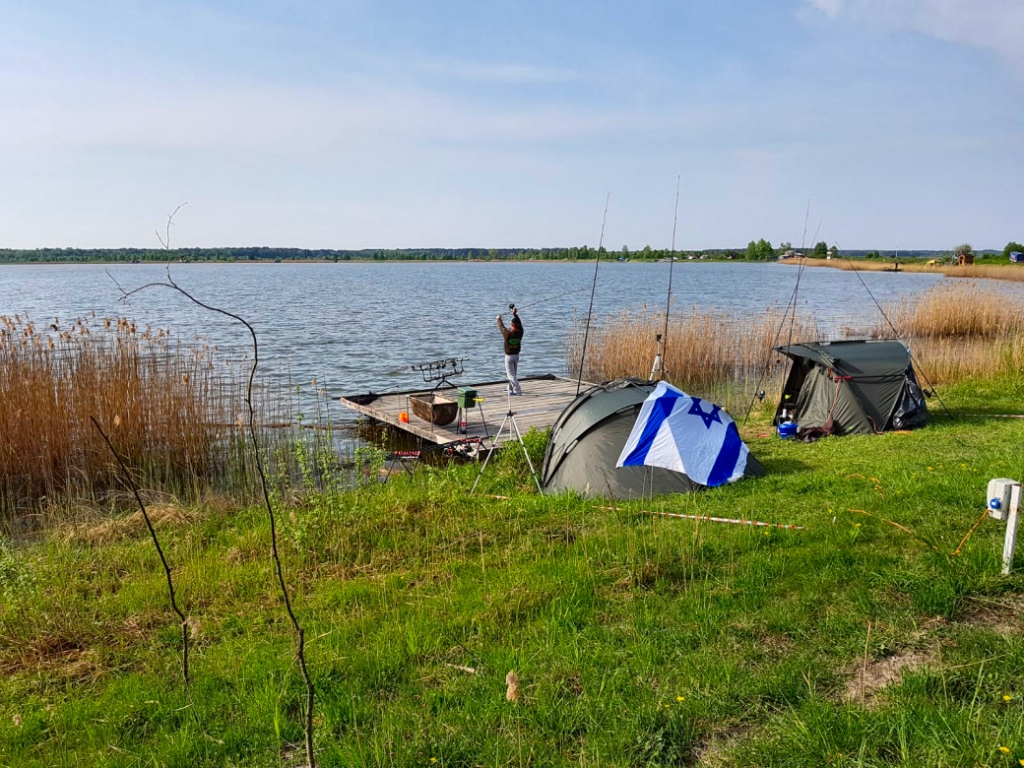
638	640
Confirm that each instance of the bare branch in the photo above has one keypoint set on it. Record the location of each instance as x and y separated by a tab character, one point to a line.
300	652
166	241
156	543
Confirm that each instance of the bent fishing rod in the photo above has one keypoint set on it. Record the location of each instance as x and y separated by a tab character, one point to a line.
662	355
542	301
593	289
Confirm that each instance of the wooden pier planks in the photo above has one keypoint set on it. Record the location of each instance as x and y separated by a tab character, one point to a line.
543	399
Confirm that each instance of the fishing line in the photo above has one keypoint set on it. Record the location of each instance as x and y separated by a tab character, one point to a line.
800	270
668	299
593	288
549	298
896	333
782	323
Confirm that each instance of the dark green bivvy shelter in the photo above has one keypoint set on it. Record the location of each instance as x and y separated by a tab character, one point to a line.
851	387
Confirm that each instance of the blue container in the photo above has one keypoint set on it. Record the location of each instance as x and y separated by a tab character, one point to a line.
787	429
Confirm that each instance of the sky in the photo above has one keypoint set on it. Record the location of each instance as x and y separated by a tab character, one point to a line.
359	124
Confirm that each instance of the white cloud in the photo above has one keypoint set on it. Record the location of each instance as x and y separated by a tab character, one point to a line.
73	112
830	8
995	25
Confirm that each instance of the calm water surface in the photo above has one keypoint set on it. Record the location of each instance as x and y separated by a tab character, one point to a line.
352	326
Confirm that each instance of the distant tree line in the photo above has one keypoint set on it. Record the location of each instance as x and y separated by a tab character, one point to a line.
265	254
759	250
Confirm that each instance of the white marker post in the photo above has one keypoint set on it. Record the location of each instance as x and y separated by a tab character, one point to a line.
1004	504
1011	530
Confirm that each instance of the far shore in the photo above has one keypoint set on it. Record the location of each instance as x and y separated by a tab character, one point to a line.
1012	272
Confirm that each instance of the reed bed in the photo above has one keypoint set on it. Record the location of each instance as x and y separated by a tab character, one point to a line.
165	408
955	310
707	351
959	331
1011	272
948	361
955	330
861	265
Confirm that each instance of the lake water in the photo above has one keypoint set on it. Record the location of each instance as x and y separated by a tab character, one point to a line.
351	326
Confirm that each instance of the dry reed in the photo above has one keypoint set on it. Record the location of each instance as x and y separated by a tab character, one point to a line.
955	330
959	331
158	399
956	310
947	361
707	351
1011	272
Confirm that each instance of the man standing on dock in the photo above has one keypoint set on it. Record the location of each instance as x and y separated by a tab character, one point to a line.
513	342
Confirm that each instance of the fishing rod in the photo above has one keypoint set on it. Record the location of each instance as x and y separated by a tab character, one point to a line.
662	353
544	300
800	269
790	306
593	288
896	333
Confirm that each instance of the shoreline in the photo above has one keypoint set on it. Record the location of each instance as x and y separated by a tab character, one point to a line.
1010	272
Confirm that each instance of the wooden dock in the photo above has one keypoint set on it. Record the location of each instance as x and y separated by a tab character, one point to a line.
543	399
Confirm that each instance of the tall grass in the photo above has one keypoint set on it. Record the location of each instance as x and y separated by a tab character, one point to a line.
959	330
706	351
159	400
955	310
956	331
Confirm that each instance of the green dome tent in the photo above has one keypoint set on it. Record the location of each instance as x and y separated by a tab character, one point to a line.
849	387
588	437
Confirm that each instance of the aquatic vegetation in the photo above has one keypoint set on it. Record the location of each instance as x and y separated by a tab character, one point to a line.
707	351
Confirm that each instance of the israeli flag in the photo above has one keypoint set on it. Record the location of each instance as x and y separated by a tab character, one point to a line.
686	434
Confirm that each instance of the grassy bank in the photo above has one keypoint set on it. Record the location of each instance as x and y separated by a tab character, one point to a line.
637	640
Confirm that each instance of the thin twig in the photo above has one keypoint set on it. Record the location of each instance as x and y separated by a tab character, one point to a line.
897	525
156	543
300	652
166	242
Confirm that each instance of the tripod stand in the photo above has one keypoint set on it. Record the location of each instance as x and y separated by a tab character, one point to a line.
659	364
510	419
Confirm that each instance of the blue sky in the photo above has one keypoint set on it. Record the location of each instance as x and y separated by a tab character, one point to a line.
355	124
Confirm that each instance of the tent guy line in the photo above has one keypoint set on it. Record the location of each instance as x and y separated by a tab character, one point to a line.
709	519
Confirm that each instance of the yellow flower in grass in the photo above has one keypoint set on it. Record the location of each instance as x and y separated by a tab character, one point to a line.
433	759
1007	697
1005	750
680	698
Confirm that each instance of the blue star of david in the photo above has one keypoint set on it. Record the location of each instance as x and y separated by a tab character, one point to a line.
708	418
